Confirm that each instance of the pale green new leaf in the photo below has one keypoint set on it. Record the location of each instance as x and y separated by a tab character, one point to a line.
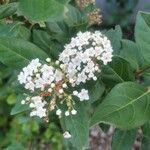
126	106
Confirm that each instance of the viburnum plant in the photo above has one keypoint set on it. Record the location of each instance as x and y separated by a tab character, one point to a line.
63	66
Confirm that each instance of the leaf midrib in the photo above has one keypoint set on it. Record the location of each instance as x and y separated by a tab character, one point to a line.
130	103
12	51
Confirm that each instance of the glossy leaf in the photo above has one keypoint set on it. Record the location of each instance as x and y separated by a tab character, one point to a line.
43	40
78	126
95	90
117	71
123	140
115	36
131	53
19	108
16	53
142	32
37	10
126	106
146	136
14	30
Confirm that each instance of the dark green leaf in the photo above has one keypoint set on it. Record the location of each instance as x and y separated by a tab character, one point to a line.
59	31
115	36
131	53
95	91
119	70
8	9
43	40
146	136
142	32
78	126
74	18
19	108
126	106
14	30
123	140
17	53
146	77
37	10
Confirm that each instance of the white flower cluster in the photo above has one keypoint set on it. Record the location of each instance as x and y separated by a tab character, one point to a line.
36	75
37	104
83	95
49	83
83	55
44	81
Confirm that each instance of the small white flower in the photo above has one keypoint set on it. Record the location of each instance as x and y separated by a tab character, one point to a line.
58	75
48	60
58	112
27	98
57	62
61	91
75	93
52	85
73	112
83	95
23	102
71	81
38	75
50	90
31	105
67	113
64	85
67	135
94	78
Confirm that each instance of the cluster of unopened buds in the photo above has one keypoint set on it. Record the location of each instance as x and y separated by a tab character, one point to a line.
51	84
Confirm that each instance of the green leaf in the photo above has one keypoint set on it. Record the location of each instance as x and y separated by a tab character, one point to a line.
78	126
17	53
59	31
126	106
142	32
119	70
115	36
37	10
131	53
95	90
73	16
19	108
14	30
41	39
44	41
146	136
8	9
146	77
123	140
